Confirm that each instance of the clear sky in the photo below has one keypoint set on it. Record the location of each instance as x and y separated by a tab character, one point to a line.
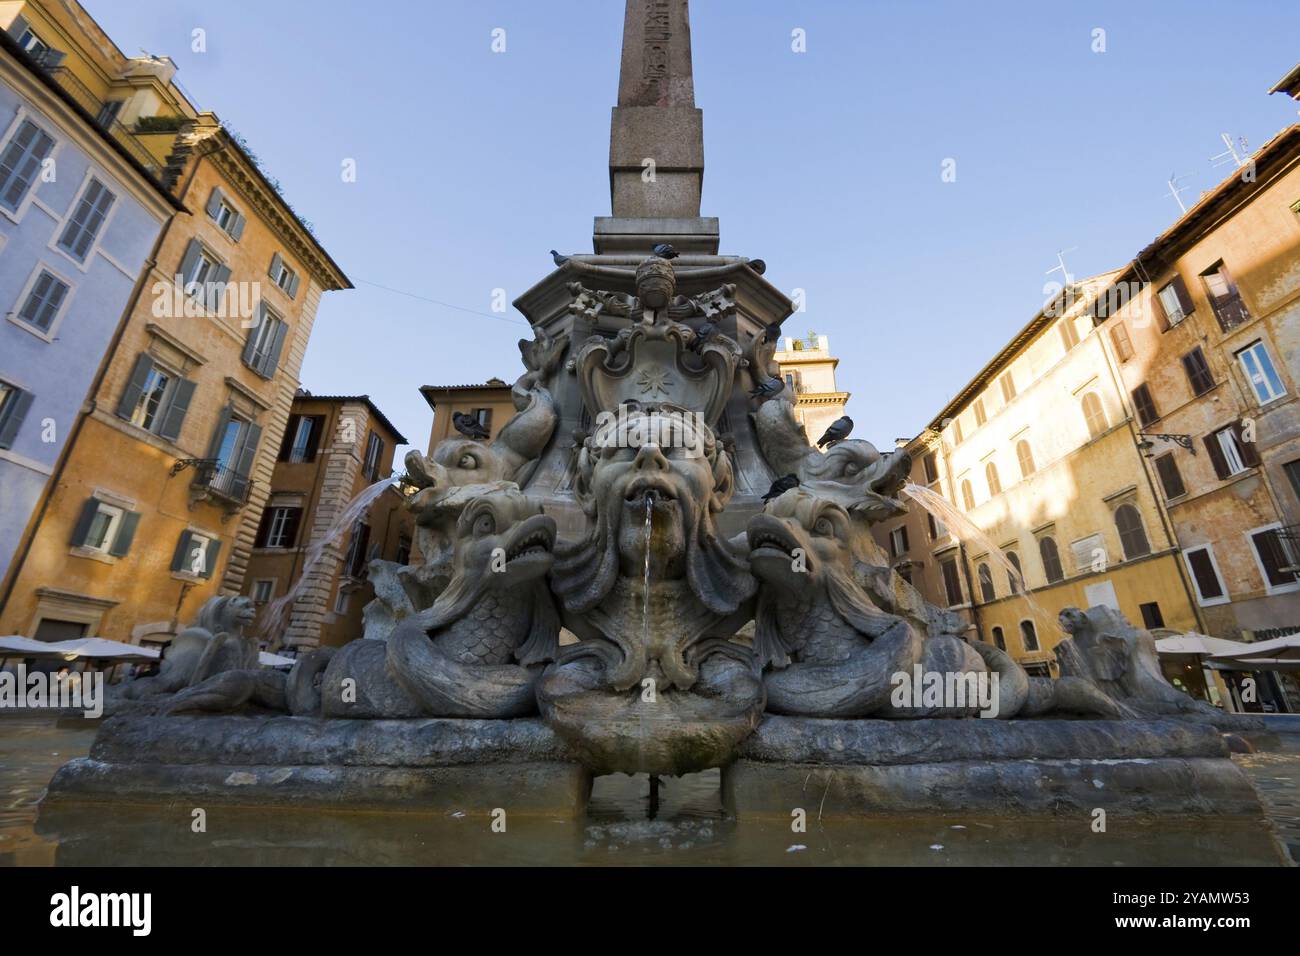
472	164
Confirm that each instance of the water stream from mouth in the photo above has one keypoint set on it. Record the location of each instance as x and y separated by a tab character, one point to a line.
970	534
652	808
275	618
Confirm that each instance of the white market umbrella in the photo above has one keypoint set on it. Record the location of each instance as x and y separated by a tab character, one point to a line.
1199	644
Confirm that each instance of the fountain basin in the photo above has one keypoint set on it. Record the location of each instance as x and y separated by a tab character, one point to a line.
1050	768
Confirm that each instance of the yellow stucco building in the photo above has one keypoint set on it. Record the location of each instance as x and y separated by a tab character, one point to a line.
809	370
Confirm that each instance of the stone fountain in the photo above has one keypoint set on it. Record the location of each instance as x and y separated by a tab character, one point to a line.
603	588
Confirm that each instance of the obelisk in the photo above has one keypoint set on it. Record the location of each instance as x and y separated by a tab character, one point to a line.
656	140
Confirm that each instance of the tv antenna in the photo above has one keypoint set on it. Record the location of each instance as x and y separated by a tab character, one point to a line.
1067	278
1176	190
1231	154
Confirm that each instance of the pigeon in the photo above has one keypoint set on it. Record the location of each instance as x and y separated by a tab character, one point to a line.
705	333
838	431
772	386
772	333
781	486
469	426
559	259
758	265
664	251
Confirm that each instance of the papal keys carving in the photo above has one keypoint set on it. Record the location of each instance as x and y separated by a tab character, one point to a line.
646	636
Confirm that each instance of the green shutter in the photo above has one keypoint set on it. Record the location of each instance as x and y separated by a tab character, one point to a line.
272	360
210	559
12	420
274	272
214	202
18	27
251	345
246	454
135	386
215	293
182	551
237	227
84	520
125	534
222	421
176	409
293	286
189	259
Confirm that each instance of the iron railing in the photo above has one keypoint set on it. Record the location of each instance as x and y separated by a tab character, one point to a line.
95	107
222	481
1287	543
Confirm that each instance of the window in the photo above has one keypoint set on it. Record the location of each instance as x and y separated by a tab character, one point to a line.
342	599
1205	574
1093	414
233	449
404	551
223	213
203	276
1028	636
1292	469
951	583
1198	371
980	417
1132	536
1230	453
1261	374
484	415
898	541
967	496
107	115
1145	407
1069	334
999	639
1016	577
355	563
1123	344
1173	304
1026	456
374	451
1225	300
956	431
904	571
986	582
284	277
1008	387
22	158
44	301
1051	556
931	468
104	529
991	475
937	527
14	403
263	591
196	554
81	230
31	43
302	438
1151	616
1171	480
155	399
265	341
279	527
1276	556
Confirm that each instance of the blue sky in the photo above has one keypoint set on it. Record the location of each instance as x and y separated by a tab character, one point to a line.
472	164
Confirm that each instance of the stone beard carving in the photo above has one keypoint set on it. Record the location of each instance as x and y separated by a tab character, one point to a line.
477	650
654	612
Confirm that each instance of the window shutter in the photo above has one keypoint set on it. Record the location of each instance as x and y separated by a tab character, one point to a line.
182	550
1216	455
264	528
905	544
189	259
214	202
1184	300
1170	478
19	403
215	294
274	271
251	345
180	404
18	27
237	227
252	435
1249	456
291	527
286	443
84	520
222	421
210	559
272	360
1158	308
135	386
317	429
125	534
293	286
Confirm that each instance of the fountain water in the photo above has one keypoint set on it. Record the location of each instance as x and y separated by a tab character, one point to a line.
274	619
969	533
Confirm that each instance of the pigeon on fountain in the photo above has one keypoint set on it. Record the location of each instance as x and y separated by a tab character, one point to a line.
838	431
469	426
781	486
706	332
772	386
664	250
559	259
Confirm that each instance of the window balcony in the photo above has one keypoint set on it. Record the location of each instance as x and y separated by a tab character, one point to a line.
222	484
106	116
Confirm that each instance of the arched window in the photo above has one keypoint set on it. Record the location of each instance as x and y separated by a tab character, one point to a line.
999	639
986	582
1051	556
1028	635
1026	456
1094	414
991	473
967	496
1132	536
1016	579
